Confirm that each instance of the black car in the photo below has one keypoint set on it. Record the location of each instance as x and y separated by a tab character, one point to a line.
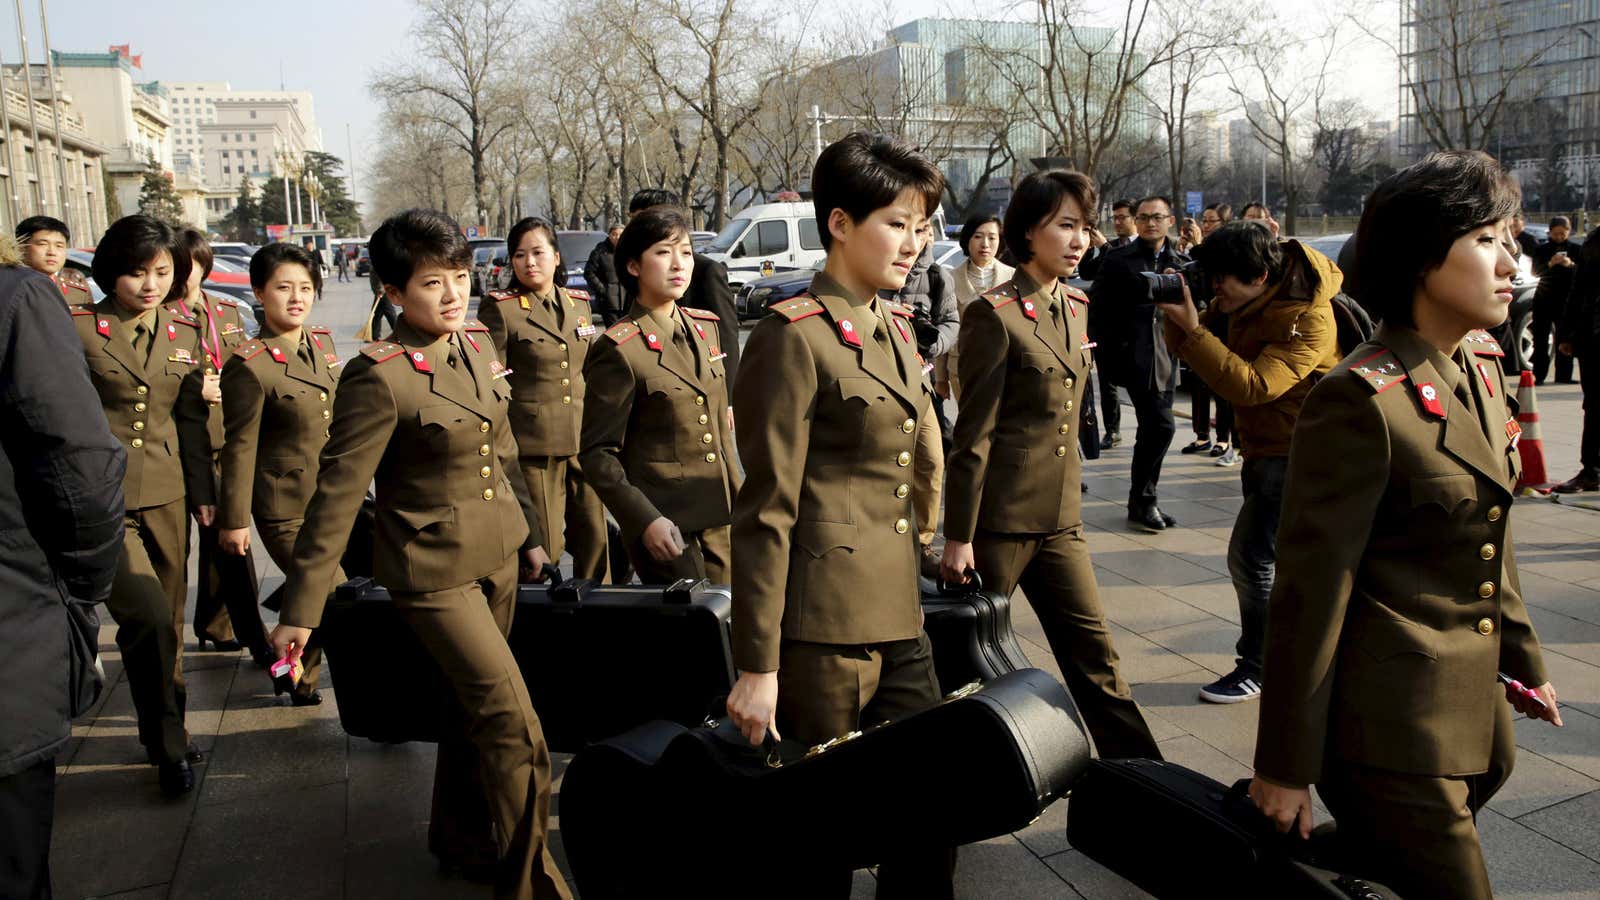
755	296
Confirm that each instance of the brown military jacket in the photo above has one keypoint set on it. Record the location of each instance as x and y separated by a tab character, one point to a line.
439	446
1014	464
277	409
822	525
544	350
221	331
1397	598
75	291
655	423
153	405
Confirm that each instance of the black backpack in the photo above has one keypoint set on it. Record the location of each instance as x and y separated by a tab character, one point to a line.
1353	323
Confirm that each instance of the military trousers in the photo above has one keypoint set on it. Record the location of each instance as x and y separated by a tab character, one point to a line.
492	779
705	555
573	517
1054	571
277	538
225	596
927	475
147	597
827	690
1415	833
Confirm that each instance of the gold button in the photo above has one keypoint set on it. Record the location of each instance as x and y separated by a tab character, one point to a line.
704	418
140	406
705	438
137	443
711	457
901	526
699	400
326	414
1495	513
908	426
902	491
326	433
488	493
1486	590
563	345
1064	428
567	399
142	390
1061	451
1485	627
904	458
1067	405
563	364
1486	551
484	472
323	396
566	382
1067	381
484	450
138	426
483	427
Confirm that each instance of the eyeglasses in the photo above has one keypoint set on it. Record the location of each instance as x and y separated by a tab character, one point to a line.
1151	217
1120	217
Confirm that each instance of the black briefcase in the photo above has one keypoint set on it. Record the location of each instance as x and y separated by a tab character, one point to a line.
601	659
389	687
1209	839
970	629
679	803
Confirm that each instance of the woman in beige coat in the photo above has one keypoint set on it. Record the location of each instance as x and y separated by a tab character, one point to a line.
980	239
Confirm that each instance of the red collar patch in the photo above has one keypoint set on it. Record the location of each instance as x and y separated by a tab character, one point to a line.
652	341
420	362
1029	311
1430	398
847	331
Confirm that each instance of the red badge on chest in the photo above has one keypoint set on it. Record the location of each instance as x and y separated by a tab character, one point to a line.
420	362
276	353
1029	311
1513	431
847	330
172	332
652	341
1430	398
103	327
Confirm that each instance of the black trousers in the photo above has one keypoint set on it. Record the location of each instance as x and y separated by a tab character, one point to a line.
1546	317
225	596
1110	404
27	814
1589	376
383	311
1201	399
1153	408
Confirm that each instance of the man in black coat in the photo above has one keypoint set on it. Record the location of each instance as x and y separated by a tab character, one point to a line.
1579	338
1556	263
600	271
708	286
60	538
1132	353
1089	270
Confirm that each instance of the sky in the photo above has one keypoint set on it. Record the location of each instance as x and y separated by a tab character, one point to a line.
331	49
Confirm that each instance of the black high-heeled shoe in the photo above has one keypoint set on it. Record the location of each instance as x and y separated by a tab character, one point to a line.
176	777
311	698
230	646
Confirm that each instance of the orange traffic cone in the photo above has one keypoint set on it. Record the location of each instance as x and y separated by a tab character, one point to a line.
1531	444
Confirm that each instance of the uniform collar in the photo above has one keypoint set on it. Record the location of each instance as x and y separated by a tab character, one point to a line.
825	285
1027	287
132	319
663	322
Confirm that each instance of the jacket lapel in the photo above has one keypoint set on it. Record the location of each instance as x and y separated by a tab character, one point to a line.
1044	326
659	342
544	319
1461	434
118	338
873	360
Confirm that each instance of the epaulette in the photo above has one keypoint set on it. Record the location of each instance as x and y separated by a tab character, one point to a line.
576	294
623	331
1483	343
797	308
178	315
229	304
320	329
81	310
503	296
706	314
900	309
1074	293
250	349
1380	371
379	351
1000	296
475	325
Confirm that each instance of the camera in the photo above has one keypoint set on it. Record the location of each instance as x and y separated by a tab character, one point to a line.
1162	288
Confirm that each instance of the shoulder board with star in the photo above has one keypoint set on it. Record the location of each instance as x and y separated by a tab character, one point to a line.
320	329
503	296
1000	296
623	331
227	304
1070	291
1380	371
81	311
797	308
576	294
695	313
250	349
900	310
381	351
474	325
1483	343
178	315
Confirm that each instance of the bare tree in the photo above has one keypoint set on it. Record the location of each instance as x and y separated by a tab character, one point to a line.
417	162
1198	34
462	45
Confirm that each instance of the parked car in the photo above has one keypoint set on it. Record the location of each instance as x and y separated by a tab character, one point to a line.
949	254
770	238
754	297
575	249
363	262
701	238
225	281
483	261
234	248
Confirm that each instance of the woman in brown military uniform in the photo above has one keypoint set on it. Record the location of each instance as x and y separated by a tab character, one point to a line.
1013	503
144	355
277	393
543	332
656	423
424	415
1397	602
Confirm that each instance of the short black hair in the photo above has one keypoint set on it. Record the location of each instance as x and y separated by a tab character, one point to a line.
133	242
1153	198
266	262
1224	211
534	223
647	228
414	238
32	225
1255	204
862	173
970	228
1245	250
1560	222
1123	203
648	197
1414	216
1037	197
199	249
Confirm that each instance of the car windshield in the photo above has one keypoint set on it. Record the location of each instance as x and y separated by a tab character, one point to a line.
728	236
218	264
482	254
576	247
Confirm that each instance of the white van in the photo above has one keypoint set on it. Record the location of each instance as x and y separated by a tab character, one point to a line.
769	238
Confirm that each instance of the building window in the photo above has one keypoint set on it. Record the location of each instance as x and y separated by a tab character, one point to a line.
223	138
252	114
227	170
252	139
238	138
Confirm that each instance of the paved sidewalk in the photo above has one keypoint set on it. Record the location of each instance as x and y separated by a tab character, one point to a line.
288	806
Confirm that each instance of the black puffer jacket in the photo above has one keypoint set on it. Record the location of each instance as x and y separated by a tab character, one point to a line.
60	516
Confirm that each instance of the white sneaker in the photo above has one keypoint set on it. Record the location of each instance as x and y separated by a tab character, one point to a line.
1229	459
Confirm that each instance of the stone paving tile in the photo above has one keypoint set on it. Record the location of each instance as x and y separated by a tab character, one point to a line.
1092	880
1047	835
1566	635
1227	728
1143	660
267	746
1208	643
1577	683
114	831
390	790
263	844
1143	609
1574	824
1003	867
1159	570
1215	597
1575	745
1537	783
1526	865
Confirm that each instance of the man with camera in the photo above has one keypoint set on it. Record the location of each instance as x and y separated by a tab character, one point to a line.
1556	263
1281	338
1126	324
